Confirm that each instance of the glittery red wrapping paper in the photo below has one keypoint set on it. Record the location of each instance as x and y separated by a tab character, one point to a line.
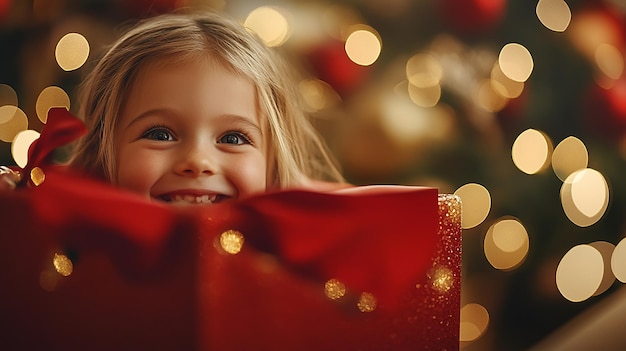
153	277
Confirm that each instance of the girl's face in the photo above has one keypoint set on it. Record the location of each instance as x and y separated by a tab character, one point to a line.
191	133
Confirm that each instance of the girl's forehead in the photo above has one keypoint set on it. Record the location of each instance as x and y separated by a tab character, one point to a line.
170	65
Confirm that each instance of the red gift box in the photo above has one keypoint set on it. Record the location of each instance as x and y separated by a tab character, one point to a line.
90	267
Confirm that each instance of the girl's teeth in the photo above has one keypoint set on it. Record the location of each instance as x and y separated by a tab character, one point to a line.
203	199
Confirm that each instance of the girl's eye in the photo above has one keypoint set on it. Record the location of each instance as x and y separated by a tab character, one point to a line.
159	134
234	138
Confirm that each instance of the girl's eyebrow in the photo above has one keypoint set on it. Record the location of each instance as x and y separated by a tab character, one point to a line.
244	122
146	114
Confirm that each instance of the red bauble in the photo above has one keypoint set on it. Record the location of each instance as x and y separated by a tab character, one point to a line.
331	64
605	110
471	16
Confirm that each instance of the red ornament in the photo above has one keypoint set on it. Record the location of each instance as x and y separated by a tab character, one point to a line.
331	64
472	16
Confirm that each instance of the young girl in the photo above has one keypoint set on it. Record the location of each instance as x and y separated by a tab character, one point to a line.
194	108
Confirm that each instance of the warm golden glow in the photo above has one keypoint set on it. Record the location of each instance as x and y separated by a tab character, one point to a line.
425	96
579	273
231	241
72	51
423	71
509	235
8	96
554	14
609	60
442	279
407	124
505	85
591	29
475	204
63	265
585	197
618	261
269	24
334	289
49	97
531	151
506	244
48	280
516	62
363	46
12	121
474	321
606	250
367	302
569	155
7	112
491	96
20	145
318	95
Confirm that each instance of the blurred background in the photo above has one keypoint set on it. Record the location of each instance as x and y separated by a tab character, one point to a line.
517	106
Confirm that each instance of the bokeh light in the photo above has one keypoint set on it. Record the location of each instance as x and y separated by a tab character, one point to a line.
506	244
8	96
50	97
585	197
20	145
569	155
516	62
492	96
554	14
12	121
318	95
409	124
531	151
609	60
475	204
618	261
269	24
590	29
423	71
72	51
505	85
363	46
579	273
474	321
606	250
425	96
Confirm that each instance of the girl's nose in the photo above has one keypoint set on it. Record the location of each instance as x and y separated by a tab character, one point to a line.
196	161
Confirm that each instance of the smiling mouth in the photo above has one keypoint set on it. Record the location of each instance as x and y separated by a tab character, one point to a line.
192	199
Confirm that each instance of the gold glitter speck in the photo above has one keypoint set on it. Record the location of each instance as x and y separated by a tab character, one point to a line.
37	176
442	279
367	302
63	265
334	289
231	241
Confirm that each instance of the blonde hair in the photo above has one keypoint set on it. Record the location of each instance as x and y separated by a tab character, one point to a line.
299	153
